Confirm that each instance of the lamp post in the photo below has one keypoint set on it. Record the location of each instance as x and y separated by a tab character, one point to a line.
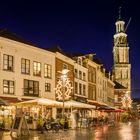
63	78
63	89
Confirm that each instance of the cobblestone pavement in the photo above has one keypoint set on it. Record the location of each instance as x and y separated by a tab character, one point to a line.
122	131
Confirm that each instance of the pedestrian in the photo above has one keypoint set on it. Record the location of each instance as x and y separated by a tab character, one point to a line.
77	117
111	120
66	124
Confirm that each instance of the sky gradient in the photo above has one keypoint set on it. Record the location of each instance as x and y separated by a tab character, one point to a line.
76	26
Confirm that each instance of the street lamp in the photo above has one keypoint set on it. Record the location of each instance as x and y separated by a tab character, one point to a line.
63	78
63	88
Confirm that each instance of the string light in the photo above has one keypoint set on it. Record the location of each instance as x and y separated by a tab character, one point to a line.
126	100
68	89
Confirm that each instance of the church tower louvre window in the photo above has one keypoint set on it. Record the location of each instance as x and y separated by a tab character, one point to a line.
122	66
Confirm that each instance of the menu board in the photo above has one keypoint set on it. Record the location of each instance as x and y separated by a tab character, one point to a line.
19	122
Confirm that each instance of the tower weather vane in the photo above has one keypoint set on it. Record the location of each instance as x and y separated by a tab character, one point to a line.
120	12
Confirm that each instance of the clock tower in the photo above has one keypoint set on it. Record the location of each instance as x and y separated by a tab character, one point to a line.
122	66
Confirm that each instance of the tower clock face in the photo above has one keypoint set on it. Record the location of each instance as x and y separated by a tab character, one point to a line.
122	39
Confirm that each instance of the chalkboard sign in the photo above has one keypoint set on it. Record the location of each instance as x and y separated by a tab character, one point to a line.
17	122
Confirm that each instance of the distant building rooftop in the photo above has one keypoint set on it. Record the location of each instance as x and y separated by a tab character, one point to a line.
9	35
55	48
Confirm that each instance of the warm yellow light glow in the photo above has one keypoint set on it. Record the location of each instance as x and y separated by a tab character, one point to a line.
126	100
65	71
126	132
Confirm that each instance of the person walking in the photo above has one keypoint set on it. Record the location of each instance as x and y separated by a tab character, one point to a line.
111	120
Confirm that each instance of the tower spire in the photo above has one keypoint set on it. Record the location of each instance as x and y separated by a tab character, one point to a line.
119	23
120	12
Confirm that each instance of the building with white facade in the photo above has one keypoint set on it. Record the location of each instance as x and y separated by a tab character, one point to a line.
26	71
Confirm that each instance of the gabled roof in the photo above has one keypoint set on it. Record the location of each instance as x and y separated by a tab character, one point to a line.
9	35
57	48
96	60
119	86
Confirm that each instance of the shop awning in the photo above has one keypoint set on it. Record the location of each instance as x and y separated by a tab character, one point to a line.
40	101
119	110
5	101
53	103
106	108
75	104
96	103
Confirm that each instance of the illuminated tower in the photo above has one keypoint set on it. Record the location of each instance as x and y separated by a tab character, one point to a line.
122	67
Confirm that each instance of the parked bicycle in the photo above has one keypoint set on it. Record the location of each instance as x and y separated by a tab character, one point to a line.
52	124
